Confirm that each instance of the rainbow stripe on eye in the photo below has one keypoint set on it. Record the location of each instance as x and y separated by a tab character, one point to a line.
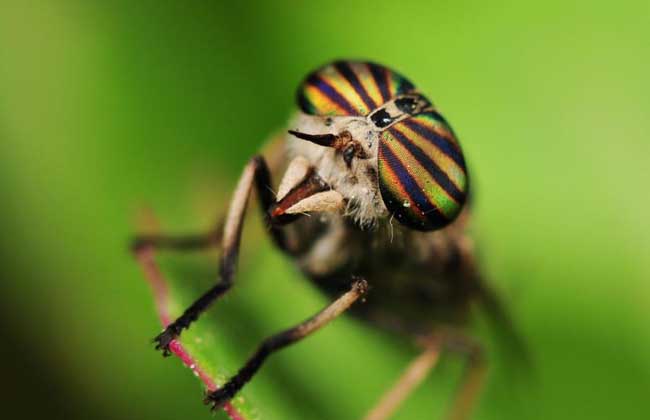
345	88
422	175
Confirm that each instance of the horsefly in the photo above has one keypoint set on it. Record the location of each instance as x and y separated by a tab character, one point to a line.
373	157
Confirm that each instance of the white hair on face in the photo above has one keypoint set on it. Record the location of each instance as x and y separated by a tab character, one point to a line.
358	184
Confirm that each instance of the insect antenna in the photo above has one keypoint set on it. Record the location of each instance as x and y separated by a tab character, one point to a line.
327	140
343	143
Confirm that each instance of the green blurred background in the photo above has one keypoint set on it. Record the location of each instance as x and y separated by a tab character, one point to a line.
106	107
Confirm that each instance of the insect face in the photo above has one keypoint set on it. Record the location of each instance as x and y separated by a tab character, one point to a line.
412	165
345	158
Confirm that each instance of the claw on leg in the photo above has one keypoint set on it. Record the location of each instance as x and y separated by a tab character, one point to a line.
164	339
217	399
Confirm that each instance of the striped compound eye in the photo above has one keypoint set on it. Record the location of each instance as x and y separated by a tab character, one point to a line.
422	175
350	88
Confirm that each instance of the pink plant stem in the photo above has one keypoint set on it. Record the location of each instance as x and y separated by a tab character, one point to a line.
159	286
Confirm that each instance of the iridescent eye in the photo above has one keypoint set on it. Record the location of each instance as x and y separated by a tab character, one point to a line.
347	88
422	175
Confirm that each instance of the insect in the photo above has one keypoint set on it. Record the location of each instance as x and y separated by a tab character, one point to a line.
383	177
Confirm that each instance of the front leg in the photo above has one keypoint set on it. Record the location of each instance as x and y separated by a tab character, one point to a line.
256	169
310	194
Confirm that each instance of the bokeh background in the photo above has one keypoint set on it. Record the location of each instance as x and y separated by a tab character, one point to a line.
108	107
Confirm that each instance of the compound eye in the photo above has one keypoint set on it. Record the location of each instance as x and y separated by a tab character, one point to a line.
345	88
422	176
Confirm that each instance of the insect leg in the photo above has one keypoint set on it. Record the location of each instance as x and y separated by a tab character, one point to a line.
283	339
468	390
255	173
473	377
274	154
179	242
414	374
